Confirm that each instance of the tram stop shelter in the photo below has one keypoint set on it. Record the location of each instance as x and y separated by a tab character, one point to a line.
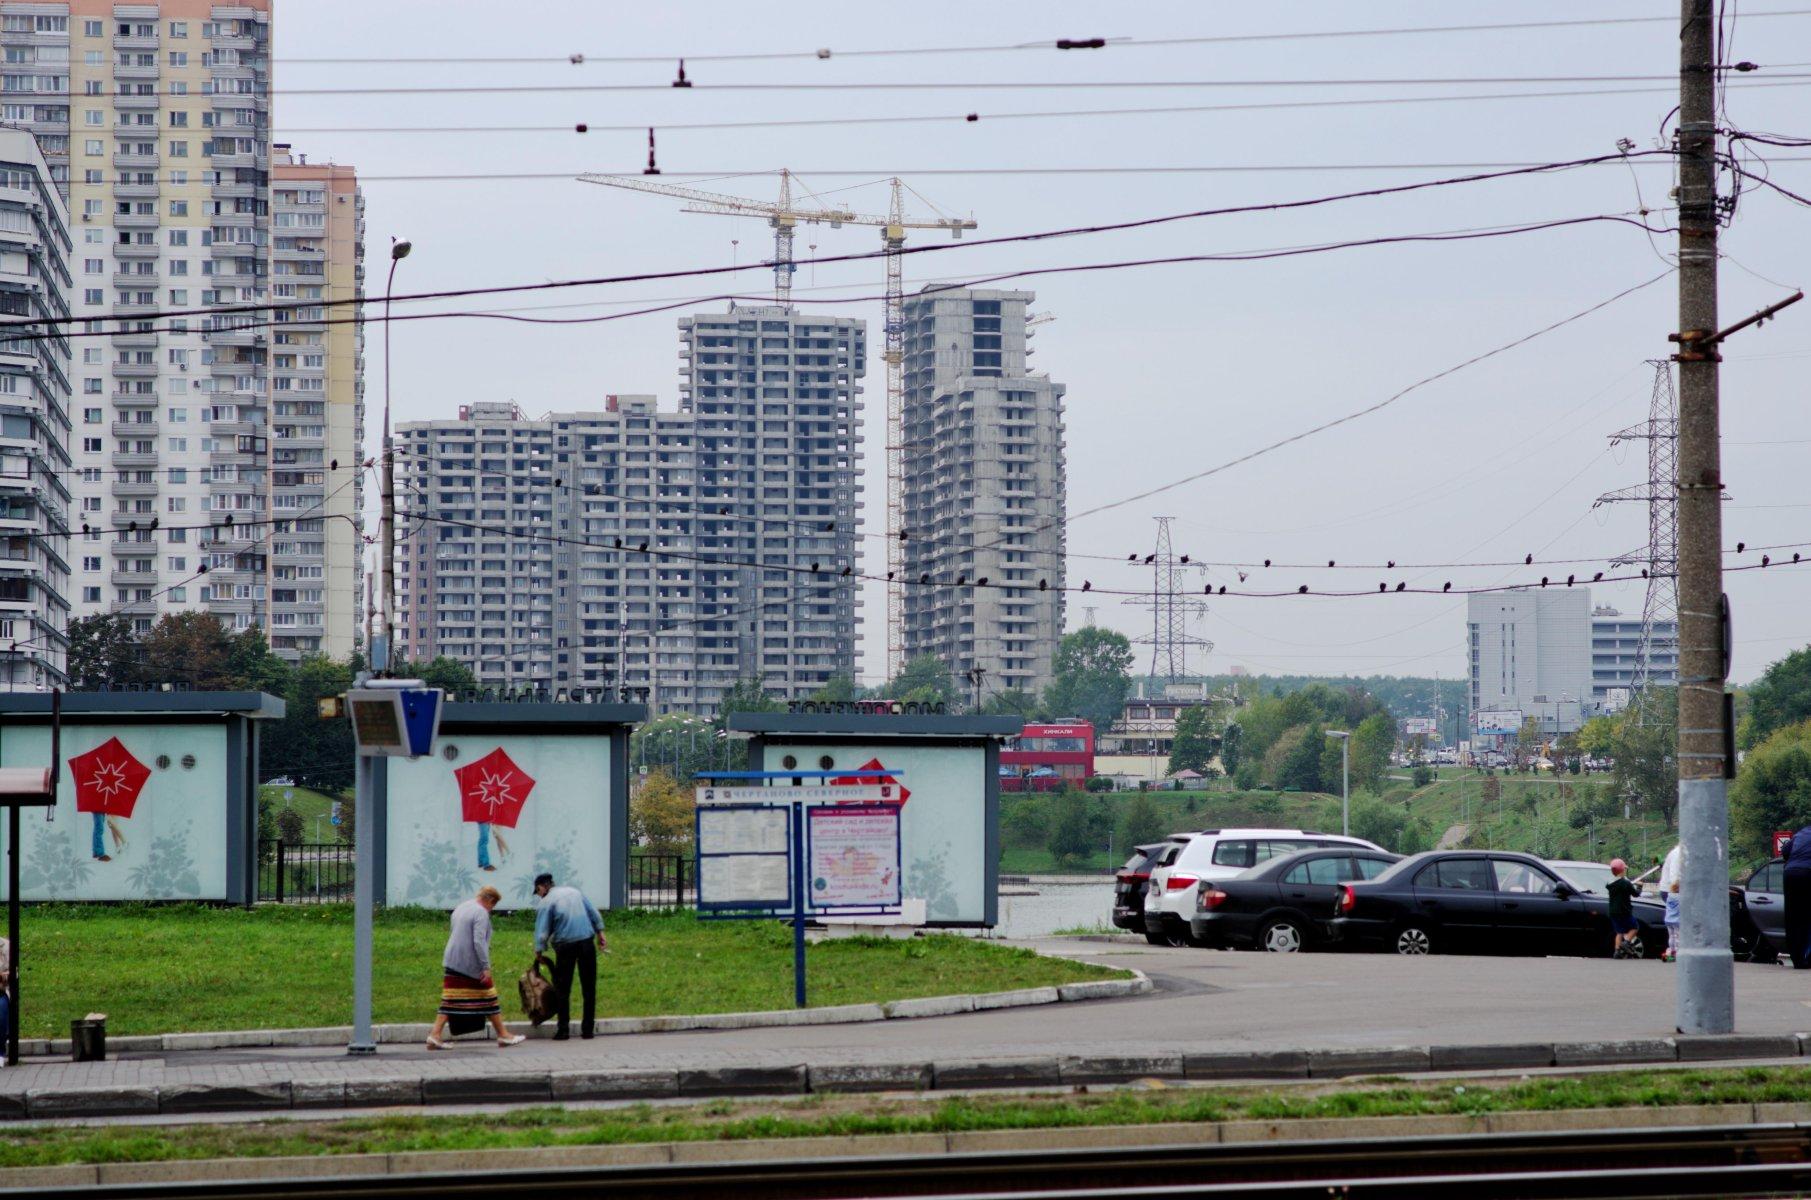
950	783
510	790
157	797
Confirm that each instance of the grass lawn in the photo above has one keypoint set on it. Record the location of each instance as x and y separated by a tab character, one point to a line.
179	968
315	809
725	1120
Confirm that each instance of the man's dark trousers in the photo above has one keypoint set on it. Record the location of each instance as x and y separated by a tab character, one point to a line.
582	956
1798	918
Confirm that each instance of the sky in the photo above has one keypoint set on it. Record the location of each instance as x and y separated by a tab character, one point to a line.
1170	369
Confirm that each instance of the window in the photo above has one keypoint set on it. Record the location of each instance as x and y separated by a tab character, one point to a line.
91	28
1522	878
92	116
91	208
91	445
91	563
91	145
1371	868
91	416
1459	874
91	595
179	58
179	149
179	29
1321	871
1767	879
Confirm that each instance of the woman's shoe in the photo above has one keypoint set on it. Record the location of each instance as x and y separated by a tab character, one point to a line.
435	1043
511	1040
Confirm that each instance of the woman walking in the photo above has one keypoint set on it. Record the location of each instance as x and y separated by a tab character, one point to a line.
468	994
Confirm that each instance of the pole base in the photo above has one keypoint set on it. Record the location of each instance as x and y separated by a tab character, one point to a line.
1706	997
361	1050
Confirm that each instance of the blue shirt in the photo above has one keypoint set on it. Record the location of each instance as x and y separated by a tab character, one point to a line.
566	916
1798	852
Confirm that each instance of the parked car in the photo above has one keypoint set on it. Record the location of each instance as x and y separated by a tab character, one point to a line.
1594	878
1212	855
1472	902
1129	882
1757	914
1283	905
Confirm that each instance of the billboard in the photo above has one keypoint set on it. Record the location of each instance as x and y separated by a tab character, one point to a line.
1425	726
141	812
498	808
1498	722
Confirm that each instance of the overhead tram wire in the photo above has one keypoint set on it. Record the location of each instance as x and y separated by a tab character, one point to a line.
863	256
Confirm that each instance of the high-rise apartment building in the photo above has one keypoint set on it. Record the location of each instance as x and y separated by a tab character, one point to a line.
317	414
1530	654
670	551
155	119
35	420
1615	649
983	490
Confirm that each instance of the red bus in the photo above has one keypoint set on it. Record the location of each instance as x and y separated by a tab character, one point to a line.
1046	758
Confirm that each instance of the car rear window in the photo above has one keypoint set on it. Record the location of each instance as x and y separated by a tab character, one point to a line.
1238	852
1330	870
1371	868
1767	879
1458	874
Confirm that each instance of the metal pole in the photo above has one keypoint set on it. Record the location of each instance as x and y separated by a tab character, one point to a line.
798	905
382	645
363	832
12	934
1705	1001
1345	786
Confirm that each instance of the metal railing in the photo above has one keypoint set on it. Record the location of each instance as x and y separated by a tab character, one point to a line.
661	881
305	873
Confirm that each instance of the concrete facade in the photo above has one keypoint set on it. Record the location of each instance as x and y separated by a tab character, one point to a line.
1531	650
35	421
983	490
630	547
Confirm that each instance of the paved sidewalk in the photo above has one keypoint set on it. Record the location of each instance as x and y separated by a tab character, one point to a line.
1212	1014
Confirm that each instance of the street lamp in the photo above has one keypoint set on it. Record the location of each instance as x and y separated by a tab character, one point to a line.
380	652
1345	779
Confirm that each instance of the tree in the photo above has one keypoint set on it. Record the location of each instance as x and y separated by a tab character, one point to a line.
1772	790
1071	832
1528	740
449	674
1232	747
190	647
1372	742
1014	702
1780	697
1596	738
1197	739
660	814
1142	823
1092	677
925	679
251	666
678	743
315	753
103	653
1301	766
1025	820
839	690
746	695
1646	741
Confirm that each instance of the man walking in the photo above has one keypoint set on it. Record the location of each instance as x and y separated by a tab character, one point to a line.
568	922
1798	898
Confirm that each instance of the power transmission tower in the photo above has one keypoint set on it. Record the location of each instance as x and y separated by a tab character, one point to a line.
1659	559
1171	609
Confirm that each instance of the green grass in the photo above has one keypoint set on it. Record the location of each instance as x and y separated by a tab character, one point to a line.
724	1120
309	805
169	969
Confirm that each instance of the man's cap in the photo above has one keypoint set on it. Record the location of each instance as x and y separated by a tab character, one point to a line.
543	878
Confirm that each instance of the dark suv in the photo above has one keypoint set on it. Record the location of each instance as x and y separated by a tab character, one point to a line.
1130	882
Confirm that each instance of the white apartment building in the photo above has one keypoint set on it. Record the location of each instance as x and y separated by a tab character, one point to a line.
1529	652
35	421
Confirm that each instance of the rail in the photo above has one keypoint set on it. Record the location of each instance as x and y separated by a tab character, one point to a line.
305	872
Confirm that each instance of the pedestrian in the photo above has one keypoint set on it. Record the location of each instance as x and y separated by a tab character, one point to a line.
1798	898
468	994
568	922
1669	891
1622	892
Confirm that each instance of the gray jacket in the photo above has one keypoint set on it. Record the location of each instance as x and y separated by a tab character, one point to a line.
468	946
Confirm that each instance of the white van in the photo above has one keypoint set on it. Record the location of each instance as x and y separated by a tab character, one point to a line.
1215	854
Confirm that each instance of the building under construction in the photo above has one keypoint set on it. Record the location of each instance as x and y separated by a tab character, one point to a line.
983	483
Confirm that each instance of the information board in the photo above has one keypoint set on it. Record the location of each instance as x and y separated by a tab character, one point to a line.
852	854
744	854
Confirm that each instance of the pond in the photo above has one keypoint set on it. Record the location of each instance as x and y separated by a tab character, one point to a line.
1050	903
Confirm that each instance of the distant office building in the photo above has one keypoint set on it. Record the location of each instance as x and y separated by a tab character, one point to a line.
666	551
1615	643
1529	656
35	469
983	490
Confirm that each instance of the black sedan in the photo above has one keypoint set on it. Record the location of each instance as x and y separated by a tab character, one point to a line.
1282	905
1478	902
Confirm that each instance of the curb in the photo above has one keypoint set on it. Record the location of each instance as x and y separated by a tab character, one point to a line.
1301	1132
402	1034
554	1086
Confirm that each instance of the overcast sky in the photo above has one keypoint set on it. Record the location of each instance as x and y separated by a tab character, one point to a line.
1170	369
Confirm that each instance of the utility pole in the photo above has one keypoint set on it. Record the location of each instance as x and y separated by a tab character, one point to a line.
1705	1001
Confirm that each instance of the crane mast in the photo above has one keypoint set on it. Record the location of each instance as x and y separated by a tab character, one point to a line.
784	218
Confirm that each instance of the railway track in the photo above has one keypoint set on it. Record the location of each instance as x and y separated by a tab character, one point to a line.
1746	1160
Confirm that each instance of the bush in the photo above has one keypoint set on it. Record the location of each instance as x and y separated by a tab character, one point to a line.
289	827
1025	821
1423	776
1100	783
1246	776
1071	834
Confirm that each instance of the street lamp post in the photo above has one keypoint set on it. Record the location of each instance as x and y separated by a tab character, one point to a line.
1345	779
381	645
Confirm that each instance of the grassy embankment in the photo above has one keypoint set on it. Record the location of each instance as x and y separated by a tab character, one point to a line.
1530	813
725	1120
171	969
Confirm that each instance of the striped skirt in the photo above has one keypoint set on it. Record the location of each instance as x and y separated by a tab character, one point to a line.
463	996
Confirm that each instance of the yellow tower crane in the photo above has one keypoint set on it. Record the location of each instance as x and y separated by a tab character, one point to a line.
784	216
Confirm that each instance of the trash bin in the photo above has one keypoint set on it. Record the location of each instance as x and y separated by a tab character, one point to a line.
88	1038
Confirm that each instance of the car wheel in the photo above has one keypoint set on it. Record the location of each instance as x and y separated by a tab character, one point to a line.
1281	936
1414	939
1157	939
1176	938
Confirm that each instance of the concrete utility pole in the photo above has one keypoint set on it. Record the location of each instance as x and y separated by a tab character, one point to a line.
1345	779
1705	1002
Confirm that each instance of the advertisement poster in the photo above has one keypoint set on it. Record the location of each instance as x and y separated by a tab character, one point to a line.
140	815
853	853
1500	722
498	810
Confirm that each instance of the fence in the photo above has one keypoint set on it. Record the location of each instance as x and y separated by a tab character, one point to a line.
305	873
661	881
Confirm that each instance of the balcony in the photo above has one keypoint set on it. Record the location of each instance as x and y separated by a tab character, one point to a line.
134	71
125	41
127	491
136	399
142	162
130	459
135	340
135	429
136	220
134	370
135	250
127	100
134	279
135	191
